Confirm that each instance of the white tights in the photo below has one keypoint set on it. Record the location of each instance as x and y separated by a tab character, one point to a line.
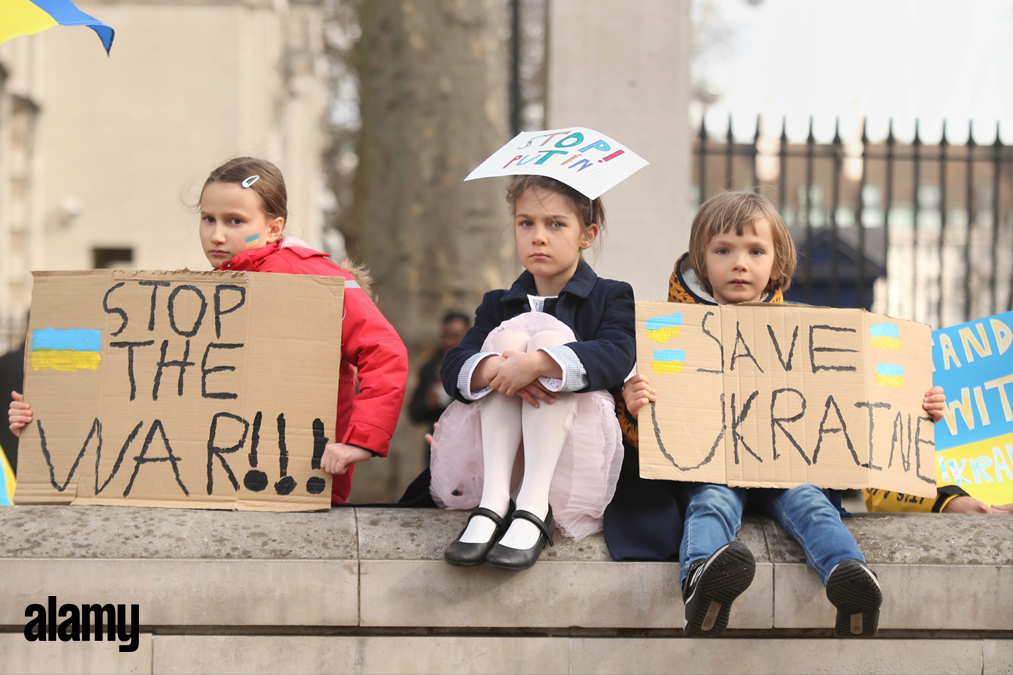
506	420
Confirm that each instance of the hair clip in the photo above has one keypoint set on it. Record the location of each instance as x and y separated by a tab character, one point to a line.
250	181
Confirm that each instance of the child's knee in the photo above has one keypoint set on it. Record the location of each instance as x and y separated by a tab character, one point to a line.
546	338
510	340
714	498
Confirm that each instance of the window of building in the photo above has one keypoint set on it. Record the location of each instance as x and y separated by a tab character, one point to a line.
110	258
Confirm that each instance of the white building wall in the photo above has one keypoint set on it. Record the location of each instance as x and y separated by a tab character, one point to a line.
124	143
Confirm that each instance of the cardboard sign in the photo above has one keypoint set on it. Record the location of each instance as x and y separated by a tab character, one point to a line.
186	389
586	160
974	442
782	395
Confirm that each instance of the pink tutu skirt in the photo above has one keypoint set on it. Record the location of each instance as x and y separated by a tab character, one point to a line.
588	469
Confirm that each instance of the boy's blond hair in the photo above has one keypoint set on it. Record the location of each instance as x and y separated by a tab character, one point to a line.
735	210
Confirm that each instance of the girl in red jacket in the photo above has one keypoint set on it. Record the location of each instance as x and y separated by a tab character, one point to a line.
243	212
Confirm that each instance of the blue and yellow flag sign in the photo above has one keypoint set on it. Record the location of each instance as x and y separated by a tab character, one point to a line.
185	389
25	17
974	442
66	349
778	396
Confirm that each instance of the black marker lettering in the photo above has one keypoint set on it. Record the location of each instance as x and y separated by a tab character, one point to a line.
130	360
205	371
843	429
735	352
142	458
172	310
315	485
779	422
219	312
872	407
96	430
721	351
737	420
714	447
255	480
898	439
813	349
154	292
215	451
286	484
115	310
777	348
918	450
181	364
119	458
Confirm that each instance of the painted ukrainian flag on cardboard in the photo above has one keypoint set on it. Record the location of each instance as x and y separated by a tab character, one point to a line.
974	442
66	349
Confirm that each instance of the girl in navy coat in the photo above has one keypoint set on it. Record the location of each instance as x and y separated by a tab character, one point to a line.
537	369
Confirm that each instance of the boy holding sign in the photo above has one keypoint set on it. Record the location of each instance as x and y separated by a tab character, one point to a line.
740	251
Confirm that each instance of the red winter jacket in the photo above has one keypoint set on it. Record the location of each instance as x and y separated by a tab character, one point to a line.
369	344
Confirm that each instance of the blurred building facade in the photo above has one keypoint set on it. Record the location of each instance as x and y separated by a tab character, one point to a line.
101	159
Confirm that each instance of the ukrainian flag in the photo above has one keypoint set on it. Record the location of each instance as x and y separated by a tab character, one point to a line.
66	349
668	360
25	17
6	481
885	335
889	375
664	328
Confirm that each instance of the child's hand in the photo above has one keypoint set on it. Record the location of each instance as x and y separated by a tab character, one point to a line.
935	403
339	456
637	393
518	370
485	371
968	504
429	437
535	392
20	413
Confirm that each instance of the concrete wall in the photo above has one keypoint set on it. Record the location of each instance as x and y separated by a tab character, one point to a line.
622	68
367	591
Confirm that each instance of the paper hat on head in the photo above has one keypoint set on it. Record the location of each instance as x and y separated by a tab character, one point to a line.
589	162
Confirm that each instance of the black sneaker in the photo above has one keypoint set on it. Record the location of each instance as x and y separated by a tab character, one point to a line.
854	589
712	585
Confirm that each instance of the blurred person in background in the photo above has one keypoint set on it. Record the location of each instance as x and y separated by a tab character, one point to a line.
430	400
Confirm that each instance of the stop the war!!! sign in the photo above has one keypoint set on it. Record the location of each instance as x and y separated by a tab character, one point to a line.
782	395
187	389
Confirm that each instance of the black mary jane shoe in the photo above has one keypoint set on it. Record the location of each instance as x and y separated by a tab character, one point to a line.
506	558
469	555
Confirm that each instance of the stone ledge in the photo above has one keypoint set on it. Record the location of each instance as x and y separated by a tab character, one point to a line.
166	653
368	567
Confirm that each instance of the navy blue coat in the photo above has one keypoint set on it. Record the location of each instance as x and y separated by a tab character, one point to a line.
600	312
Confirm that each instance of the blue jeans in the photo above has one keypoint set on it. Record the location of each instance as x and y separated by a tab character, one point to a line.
713	515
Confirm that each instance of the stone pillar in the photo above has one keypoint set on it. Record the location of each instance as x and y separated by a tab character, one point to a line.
622	68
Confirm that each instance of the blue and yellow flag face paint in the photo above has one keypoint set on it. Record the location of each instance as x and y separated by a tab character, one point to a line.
885	336
66	349
663	328
668	361
6	481
889	375
25	17
251	241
